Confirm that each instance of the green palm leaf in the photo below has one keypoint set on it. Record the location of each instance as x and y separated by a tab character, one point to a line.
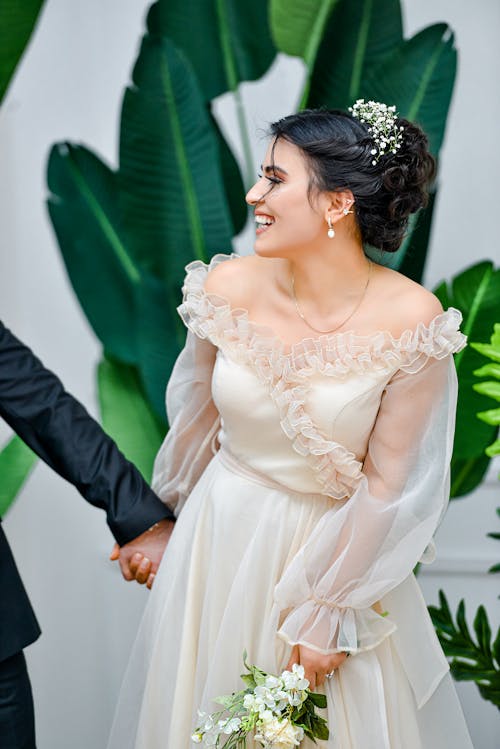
418	77
476	292
17	21
16	463
226	42
126	415
86	219
358	36
172	195
297	26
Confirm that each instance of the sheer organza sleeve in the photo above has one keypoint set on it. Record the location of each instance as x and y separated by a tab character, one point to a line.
194	423
368	545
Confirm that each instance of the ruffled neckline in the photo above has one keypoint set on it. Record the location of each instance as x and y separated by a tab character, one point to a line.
211	315
286	374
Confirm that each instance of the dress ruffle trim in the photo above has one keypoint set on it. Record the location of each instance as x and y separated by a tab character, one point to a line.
286	374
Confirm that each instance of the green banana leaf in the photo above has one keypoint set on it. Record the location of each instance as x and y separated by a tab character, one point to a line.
359	36
127	237
418	76
226	42
171	192
232	181
83	208
476	293
16	463
297	26
17	21
126	415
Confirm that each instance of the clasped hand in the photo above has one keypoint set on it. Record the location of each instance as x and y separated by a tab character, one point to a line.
140	558
316	665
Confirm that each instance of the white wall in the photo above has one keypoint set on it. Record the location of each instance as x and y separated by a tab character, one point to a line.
69	87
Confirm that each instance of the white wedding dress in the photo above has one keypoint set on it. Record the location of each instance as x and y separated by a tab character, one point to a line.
308	484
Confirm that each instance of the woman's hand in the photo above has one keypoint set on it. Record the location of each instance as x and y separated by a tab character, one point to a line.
316	665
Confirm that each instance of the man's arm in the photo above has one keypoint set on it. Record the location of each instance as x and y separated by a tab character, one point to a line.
57	427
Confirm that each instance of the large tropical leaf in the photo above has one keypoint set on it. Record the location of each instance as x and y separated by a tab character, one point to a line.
297	26
359	35
85	215
160	334
476	293
232	180
126	415
418	77
172	196
17	21
16	462
226	42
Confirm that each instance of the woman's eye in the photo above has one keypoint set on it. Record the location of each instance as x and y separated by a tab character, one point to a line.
274	180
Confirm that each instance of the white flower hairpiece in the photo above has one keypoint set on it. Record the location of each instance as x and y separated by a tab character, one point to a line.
382	126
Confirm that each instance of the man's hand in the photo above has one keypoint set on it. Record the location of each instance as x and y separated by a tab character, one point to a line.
140	558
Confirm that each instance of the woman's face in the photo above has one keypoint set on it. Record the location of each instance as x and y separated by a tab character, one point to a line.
286	222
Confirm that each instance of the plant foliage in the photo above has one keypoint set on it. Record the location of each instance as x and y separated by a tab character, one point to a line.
471	660
476	293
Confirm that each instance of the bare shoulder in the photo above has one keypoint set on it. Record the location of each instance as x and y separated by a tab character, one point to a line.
235	279
405	302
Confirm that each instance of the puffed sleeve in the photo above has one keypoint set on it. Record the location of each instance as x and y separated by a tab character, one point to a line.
368	544
194	423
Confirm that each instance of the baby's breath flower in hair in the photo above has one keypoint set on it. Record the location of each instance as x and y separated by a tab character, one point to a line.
382	126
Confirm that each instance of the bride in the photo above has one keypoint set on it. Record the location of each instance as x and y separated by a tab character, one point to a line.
311	426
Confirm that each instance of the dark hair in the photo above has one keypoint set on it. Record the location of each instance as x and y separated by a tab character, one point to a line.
338	148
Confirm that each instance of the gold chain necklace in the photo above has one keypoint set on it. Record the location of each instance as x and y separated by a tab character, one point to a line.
332	330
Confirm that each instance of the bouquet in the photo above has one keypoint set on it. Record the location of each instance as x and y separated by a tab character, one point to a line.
281	710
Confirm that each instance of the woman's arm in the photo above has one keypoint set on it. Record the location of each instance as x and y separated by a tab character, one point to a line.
363	549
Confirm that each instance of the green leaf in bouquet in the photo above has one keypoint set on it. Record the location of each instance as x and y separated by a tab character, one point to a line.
321	731
234	38
16	463
317	699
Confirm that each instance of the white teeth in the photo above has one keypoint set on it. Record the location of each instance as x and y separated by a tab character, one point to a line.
264	220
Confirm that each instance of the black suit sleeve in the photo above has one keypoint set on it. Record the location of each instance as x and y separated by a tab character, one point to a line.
58	428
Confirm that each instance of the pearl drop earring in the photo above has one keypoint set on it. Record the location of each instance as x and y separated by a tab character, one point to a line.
331	230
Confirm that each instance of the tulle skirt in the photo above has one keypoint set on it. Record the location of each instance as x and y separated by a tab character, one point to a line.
213	599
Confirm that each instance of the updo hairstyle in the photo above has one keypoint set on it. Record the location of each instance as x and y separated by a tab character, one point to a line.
338	148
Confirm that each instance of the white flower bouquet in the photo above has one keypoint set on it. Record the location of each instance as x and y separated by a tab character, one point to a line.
280	710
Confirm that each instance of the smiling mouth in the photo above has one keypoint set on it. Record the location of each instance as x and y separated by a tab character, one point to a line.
263	223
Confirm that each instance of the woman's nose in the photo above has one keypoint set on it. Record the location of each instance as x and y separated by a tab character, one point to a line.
254	195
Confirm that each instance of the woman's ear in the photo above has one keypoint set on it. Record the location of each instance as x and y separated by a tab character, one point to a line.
339	204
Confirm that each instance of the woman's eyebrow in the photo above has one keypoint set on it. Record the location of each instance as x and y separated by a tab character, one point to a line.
273	168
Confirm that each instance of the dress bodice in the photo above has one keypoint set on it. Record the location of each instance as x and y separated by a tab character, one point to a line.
303	415
252	430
